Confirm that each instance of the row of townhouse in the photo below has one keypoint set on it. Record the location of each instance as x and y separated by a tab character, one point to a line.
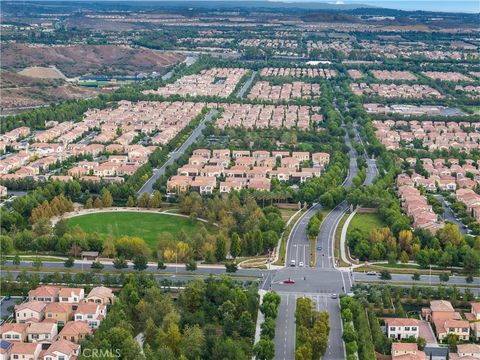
417	208
446	321
52	323
471	200
210	82
298	72
262	116
415	91
250	170
162	120
433	135
297	90
15	134
58	350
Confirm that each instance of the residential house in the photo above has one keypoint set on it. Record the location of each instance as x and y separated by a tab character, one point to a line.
59	312
101	295
45	293
476	310
71	295
25	351
75	331
62	350
407	351
402	328
472	350
14	332
30	311
42	332
461	328
90	312
320	158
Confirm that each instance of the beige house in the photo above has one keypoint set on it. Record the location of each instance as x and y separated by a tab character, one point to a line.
61	313
30	311
14	332
25	351
43	332
75	331
62	350
101	295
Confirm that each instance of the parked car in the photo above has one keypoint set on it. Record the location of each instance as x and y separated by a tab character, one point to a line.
289	281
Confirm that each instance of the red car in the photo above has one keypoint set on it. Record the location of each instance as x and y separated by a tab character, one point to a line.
289	281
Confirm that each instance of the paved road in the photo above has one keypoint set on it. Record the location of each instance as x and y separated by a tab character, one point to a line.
449	215
170	269
424	279
247	85
174	155
285	328
298	246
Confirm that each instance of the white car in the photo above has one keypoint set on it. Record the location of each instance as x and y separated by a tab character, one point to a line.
300	264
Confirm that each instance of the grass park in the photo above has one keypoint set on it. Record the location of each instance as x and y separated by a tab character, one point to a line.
147	226
365	222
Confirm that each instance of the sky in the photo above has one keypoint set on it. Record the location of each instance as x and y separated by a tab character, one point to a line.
467	6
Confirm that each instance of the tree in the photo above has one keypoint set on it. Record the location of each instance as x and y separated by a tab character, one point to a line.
140	262
421	343
98	203
471	262
264	349
193	342
16	260
69	262
404	257
230	267
156	200
161	265
220	248
97	265
37	263
191	265
416	276
89	203
120	263
235	248
144	200
107	199
385	275
130	202
444	277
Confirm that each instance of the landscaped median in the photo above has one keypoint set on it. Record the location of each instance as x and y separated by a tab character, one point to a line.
313	230
264	346
284	239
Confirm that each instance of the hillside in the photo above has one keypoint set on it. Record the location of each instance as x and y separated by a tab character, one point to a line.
80	60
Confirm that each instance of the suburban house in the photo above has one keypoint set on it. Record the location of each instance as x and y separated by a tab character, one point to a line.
59	312
92	313
62	350
402	328
71	295
25	351
44	293
43	332
101	295
476	310
75	331
14	332
468	350
407	351
30	311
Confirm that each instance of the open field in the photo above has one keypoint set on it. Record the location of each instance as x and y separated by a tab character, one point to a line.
147	226
365	222
42	72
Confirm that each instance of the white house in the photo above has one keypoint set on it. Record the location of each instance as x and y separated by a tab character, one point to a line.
402	328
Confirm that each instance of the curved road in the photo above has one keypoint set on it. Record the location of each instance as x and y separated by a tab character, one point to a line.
174	155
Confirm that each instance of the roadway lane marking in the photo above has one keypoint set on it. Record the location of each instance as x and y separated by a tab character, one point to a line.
343	281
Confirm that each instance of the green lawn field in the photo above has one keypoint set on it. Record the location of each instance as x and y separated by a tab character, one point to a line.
147	226
365	222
